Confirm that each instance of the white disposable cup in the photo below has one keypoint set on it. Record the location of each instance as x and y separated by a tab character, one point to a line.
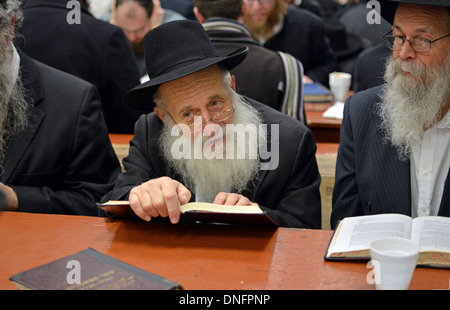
396	259
339	85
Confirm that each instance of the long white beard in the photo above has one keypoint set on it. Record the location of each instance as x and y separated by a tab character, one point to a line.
410	105
224	172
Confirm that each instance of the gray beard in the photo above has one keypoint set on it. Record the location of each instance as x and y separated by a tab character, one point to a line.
207	177
13	106
408	106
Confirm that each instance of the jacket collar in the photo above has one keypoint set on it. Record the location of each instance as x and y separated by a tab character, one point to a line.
225	24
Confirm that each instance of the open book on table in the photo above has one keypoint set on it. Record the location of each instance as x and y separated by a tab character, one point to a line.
353	235
210	213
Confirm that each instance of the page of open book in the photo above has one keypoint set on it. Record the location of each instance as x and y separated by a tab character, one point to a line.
432	233
357	233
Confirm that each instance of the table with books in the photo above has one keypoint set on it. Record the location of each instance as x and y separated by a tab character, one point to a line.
196	256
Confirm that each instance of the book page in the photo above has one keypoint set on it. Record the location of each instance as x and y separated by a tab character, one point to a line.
432	233
357	233
204	206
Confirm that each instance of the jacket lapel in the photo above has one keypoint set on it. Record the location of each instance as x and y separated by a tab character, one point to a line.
444	209
392	178
34	94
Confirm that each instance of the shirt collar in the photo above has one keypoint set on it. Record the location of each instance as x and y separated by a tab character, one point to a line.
445	121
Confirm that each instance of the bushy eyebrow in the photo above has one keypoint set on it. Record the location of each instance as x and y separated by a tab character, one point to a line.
211	98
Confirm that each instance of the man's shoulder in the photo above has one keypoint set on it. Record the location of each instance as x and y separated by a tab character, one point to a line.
366	97
272	117
58	78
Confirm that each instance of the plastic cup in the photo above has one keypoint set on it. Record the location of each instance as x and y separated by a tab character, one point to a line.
396	260
339	85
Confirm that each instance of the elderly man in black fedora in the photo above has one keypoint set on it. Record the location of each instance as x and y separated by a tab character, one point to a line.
395	138
194	94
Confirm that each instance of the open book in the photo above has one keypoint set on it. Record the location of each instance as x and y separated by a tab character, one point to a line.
353	235
209	213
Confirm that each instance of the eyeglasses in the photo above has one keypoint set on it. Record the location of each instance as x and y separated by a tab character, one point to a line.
197	124
262	2
418	44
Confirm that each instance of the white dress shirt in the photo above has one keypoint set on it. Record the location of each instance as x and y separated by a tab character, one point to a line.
430	162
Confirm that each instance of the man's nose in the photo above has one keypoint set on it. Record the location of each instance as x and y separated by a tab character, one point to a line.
406	51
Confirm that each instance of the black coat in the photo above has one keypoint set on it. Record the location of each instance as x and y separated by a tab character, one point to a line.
303	36
94	50
63	162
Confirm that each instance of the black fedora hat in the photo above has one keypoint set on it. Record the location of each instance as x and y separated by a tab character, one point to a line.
174	50
388	7
343	43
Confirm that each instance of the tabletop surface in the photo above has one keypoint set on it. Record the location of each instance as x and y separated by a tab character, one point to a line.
198	256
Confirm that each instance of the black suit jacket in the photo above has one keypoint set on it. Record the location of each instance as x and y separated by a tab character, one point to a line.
93	50
63	162
303	36
289	193
370	179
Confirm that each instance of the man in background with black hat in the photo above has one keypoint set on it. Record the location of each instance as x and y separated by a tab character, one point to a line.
395	139
195	95
55	153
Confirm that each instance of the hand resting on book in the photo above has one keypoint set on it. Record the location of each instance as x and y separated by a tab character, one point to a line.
162	197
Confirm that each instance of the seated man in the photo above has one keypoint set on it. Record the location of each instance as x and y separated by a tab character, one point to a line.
395	139
55	153
195	94
282	27
136	18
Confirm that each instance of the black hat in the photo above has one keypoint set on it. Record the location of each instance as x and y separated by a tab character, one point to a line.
174	50
388	7
344	44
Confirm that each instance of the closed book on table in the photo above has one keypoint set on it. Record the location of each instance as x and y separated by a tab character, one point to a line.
316	92
90	270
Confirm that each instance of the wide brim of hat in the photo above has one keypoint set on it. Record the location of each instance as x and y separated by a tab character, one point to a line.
388	7
140	98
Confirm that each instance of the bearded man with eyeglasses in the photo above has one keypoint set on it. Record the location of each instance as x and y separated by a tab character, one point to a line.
189	149
395	139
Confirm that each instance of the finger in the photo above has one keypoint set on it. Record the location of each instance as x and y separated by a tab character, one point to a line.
243	201
172	202
184	195
136	206
232	199
221	198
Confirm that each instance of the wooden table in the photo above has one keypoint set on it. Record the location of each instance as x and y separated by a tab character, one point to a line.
200	257
326	130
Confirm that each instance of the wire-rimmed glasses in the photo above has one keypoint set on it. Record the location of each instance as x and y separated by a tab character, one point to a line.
417	43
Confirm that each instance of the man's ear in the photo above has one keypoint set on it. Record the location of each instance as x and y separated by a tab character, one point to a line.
233	82
160	113
11	32
199	16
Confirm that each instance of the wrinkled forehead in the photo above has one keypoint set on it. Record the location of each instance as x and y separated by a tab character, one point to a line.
422	18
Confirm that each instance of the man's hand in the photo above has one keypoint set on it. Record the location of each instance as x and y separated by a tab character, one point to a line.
8	198
159	197
157	15
231	199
